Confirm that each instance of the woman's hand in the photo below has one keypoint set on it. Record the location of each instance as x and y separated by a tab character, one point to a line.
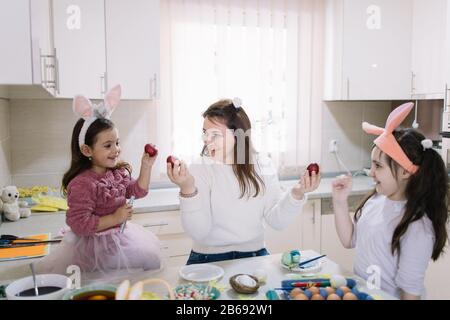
306	184
180	175
341	188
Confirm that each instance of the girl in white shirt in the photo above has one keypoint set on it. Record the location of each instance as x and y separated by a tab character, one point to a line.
402	224
226	197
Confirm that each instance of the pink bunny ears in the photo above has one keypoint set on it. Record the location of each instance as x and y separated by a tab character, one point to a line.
83	108
386	140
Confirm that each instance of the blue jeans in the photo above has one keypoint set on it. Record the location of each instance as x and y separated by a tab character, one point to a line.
195	257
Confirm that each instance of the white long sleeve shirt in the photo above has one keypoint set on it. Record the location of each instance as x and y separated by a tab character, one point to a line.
372	238
219	221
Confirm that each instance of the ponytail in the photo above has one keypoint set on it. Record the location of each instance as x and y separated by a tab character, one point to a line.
427	194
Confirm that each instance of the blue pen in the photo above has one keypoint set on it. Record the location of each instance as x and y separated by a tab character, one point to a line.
311	260
122	227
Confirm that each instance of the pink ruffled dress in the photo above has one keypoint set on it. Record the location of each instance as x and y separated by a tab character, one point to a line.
91	196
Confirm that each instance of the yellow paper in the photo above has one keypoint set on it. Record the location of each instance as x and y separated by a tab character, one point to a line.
26	252
44	208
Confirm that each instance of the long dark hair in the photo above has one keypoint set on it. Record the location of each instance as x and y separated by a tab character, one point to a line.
426	191
80	162
236	119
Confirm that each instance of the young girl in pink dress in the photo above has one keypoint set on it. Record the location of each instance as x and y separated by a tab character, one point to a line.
97	186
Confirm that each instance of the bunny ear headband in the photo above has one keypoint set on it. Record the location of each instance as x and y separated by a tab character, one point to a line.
386	140
83	108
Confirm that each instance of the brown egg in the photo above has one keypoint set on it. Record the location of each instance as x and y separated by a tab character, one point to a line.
330	290
294	292
345	289
317	297
349	296
301	296
314	290
333	296
98	297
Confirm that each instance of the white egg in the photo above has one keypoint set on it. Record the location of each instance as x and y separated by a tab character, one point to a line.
245	280
260	274
338	281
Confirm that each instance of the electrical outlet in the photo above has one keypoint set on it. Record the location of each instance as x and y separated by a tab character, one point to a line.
333	146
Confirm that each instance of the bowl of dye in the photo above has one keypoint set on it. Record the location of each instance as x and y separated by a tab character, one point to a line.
92	292
50	287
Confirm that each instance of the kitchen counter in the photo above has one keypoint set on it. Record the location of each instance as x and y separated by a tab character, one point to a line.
270	264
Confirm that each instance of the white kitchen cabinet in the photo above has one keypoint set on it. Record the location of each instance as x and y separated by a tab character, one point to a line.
15	34
303	233
176	245
428	48
332	246
447	54
79	35
330	243
27	57
437	281
368	50
132	47
101	43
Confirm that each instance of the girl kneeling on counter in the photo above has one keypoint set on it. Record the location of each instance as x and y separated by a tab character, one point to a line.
402	224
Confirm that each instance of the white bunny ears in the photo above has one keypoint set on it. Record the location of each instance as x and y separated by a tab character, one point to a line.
84	108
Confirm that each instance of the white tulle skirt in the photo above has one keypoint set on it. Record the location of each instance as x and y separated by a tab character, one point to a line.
105	252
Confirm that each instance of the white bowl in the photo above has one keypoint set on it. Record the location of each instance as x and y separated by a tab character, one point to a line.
42	280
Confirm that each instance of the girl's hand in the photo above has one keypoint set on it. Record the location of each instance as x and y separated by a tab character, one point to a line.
180	175
123	213
341	187
306	184
147	161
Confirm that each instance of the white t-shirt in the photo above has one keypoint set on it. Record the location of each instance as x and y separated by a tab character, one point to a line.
372	238
219	221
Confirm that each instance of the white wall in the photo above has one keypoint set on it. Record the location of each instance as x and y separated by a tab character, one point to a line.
342	121
41	131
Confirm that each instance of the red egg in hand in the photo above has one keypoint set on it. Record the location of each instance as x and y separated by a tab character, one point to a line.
313	167
151	150
171	160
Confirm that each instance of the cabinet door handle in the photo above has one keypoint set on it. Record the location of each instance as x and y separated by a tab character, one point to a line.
56	72
314	213
103	84
161	224
413	83
348	89
153	87
49	68
446	104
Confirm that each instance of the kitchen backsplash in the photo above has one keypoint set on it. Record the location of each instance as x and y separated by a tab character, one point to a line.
341	121
39	145
41	131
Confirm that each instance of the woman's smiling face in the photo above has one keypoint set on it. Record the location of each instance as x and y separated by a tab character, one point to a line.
219	140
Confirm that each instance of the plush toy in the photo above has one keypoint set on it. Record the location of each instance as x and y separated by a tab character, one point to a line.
13	209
